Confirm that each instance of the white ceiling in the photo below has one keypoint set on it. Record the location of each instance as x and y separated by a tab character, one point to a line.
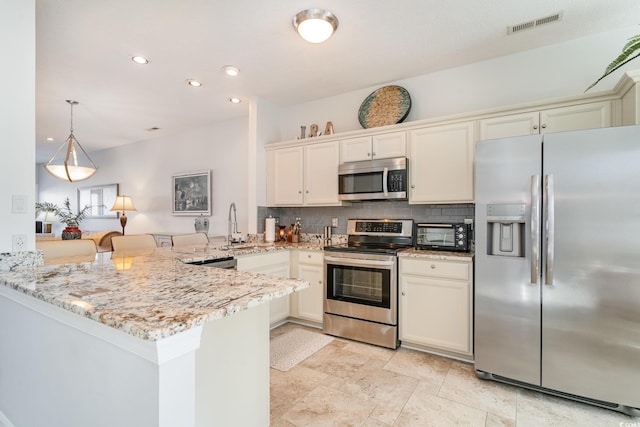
83	50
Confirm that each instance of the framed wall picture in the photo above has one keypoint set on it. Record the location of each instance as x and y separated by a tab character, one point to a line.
100	198
192	193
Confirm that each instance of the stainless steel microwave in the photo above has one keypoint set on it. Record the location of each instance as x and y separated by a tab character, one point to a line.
380	179
443	237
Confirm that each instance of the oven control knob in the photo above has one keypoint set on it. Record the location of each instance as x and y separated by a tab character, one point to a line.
460	242
460	229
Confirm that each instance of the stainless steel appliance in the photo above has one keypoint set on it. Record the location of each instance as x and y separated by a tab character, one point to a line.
557	265
443	237
373	179
361	281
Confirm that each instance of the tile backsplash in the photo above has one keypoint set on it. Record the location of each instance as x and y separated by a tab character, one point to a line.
314	219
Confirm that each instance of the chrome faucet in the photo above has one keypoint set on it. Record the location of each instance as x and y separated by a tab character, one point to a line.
233	225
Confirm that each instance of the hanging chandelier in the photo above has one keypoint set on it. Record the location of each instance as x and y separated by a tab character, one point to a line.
76	165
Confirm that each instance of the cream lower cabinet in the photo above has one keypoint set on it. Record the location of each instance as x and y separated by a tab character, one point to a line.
575	117
441	164
303	175
307	304
275	264
436	305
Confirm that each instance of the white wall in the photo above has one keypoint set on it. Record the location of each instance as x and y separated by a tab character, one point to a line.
144	170
233	151
17	112
561	70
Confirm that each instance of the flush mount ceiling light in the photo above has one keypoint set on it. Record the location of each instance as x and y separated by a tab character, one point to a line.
315	25
235	100
230	70
194	83
76	164
140	60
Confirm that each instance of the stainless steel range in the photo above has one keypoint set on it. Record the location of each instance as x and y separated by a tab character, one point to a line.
361	281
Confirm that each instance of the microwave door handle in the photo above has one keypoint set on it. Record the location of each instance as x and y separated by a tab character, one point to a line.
385	175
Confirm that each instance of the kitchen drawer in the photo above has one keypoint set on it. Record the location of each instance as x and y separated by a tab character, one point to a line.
435	268
310	257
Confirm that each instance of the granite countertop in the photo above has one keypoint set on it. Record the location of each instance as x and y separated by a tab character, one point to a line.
442	255
153	295
157	294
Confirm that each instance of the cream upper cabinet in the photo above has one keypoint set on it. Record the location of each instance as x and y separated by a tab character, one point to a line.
574	117
321	174
436	304
511	125
441	164
307	304
284	176
303	175
382	146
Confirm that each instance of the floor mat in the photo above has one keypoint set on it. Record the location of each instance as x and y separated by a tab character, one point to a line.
291	348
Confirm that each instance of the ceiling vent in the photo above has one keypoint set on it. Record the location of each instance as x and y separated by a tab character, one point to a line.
534	23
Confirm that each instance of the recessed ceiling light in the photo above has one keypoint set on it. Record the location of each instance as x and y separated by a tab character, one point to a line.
230	70
140	59
194	83
235	100
50	138
315	25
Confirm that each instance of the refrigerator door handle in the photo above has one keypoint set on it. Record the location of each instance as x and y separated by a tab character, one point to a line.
535	229
549	229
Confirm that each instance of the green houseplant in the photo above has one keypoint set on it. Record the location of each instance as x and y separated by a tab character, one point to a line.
67	216
630	51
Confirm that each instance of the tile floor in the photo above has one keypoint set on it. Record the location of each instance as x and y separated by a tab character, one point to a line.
353	384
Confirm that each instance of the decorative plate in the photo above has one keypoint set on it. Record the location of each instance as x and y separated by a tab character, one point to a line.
385	106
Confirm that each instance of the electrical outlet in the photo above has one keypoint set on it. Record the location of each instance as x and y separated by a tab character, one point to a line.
334	222
19	242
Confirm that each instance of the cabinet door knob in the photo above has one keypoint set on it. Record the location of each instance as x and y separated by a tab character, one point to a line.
433	266
299	191
373	154
403	294
368	154
413	186
308	256
307	191
535	127
544	126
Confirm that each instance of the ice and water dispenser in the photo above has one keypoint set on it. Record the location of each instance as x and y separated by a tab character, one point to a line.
505	229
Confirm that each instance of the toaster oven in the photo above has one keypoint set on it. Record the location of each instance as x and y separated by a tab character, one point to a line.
443	237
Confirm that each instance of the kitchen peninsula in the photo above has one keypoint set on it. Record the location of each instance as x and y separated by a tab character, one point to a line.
140	339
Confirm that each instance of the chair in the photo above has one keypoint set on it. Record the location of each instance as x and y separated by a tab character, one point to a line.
133	242
191	239
54	249
103	239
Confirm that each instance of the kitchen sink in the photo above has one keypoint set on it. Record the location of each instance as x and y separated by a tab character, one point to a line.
241	246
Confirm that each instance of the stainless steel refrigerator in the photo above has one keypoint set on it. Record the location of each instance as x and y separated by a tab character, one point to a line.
557	264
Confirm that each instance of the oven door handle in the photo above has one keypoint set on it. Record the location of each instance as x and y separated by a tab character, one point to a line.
355	261
385	185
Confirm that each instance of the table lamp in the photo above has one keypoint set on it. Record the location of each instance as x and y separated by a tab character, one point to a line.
123	203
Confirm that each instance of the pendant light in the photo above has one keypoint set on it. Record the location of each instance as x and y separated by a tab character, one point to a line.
76	164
